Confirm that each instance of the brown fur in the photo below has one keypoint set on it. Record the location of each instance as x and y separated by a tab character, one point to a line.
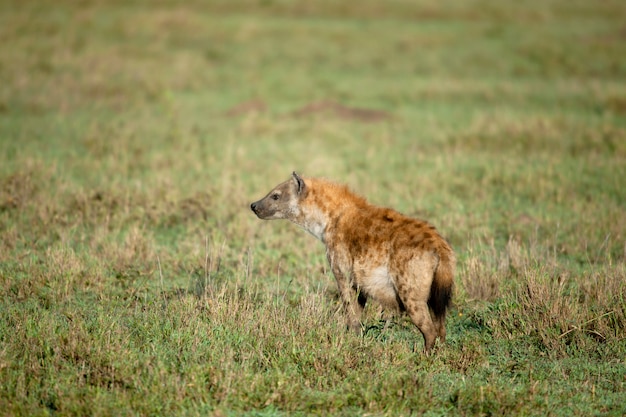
374	252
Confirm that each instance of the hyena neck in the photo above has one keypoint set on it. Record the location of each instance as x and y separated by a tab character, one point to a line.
325	202
314	221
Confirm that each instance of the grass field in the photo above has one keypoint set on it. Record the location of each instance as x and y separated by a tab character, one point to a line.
135	280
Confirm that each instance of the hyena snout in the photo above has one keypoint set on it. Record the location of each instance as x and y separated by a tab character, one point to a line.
255	207
261	210
267	209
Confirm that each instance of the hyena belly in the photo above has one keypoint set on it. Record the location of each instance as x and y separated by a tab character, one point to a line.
378	284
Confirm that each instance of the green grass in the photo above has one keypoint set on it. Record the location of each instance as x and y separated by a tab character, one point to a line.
134	279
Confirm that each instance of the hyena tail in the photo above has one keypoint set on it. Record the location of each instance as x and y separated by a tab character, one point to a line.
443	284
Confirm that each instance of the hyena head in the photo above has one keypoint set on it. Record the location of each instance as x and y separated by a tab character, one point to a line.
283	202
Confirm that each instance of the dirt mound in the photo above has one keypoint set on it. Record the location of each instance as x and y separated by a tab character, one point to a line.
250	106
336	109
322	108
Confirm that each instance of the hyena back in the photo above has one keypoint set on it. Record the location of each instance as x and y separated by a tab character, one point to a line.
374	252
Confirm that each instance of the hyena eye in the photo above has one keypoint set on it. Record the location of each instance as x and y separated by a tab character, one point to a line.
275	197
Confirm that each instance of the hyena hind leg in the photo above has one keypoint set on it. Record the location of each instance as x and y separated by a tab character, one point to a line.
439	320
414	292
420	316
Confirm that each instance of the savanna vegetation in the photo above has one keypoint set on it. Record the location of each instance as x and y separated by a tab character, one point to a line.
135	280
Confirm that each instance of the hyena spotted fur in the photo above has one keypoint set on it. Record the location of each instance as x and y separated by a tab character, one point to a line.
374	252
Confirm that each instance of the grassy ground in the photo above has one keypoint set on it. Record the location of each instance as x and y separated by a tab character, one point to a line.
134	280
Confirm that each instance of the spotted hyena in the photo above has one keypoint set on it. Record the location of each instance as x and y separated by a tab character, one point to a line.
374	252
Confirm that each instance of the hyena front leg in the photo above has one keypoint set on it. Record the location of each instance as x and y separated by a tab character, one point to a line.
353	301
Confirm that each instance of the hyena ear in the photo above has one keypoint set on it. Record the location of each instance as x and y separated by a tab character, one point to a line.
299	182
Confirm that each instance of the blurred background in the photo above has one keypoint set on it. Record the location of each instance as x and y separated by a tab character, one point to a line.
134	135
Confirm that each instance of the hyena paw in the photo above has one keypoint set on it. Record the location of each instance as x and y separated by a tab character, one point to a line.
355	328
